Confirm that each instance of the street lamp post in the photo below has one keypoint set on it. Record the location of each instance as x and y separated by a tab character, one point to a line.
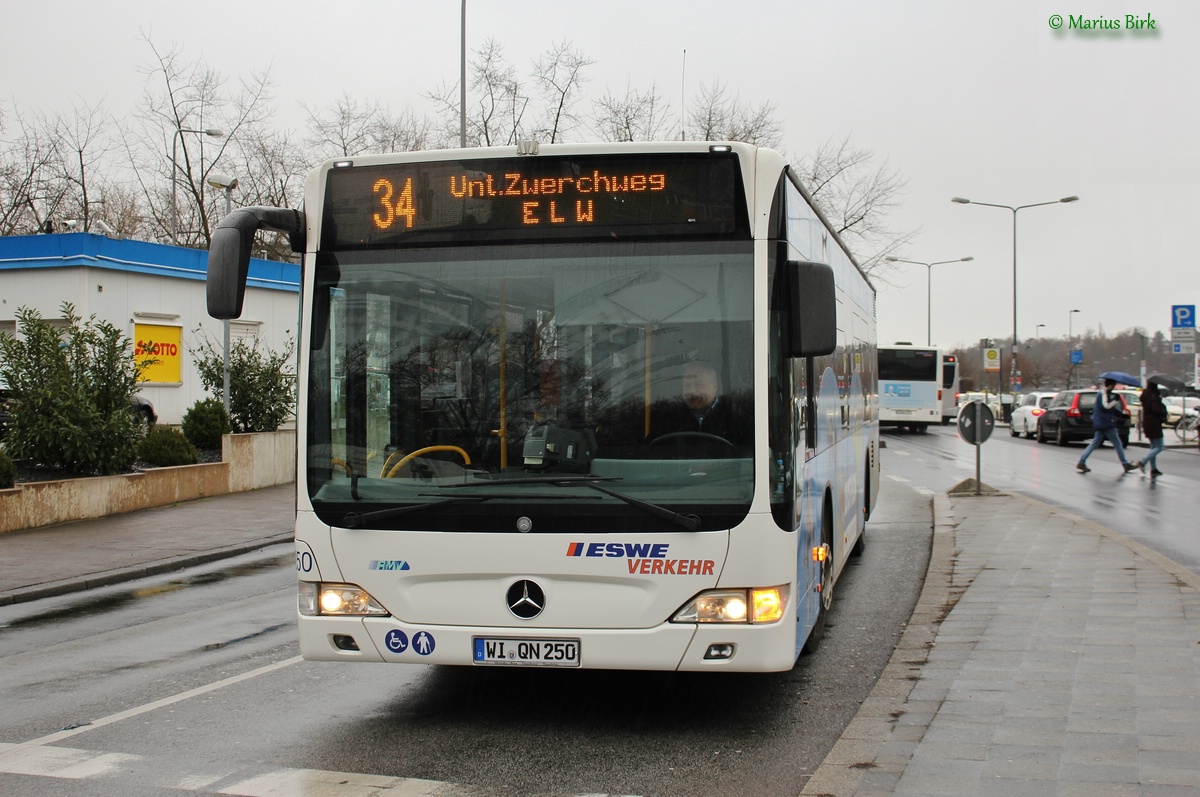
179	131
228	184
1014	210
928	288
1070	343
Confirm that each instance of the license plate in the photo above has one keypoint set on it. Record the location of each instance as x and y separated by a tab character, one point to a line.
528	652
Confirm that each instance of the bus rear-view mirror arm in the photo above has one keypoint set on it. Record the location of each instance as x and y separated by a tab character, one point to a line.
229	253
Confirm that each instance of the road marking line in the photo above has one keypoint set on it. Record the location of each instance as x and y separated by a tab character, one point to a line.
166	701
75	764
319	783
60	762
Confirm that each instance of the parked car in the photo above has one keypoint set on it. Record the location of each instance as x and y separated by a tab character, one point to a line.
1068	417
144	410
1028	410
1178	405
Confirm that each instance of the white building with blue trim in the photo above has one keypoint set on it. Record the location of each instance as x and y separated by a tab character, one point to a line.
154	293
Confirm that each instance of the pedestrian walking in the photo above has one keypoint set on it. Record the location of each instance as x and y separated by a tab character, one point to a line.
1154	415
1104	423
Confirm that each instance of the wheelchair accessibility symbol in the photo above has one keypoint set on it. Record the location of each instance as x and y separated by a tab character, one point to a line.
396	641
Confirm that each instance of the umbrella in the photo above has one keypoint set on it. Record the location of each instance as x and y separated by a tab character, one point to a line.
1169	382
1121	378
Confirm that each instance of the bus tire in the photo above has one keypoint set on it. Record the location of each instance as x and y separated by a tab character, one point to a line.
825	596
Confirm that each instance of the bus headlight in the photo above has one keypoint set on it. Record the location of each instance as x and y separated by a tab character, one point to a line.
758	605
339	600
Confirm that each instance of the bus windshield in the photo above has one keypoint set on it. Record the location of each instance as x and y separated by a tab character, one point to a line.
444	380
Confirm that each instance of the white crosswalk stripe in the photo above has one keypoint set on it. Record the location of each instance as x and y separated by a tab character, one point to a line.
69	763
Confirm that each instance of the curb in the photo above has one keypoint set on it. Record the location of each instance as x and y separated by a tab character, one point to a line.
109	577
857	750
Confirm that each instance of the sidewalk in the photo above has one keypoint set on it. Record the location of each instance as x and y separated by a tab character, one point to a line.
54	560
1047	655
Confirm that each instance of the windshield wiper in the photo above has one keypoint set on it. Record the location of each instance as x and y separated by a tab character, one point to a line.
687	522
355	519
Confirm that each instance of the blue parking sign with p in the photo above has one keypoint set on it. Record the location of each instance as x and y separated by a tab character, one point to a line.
1183	316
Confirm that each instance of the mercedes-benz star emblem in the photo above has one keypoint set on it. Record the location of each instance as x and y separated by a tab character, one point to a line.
525	599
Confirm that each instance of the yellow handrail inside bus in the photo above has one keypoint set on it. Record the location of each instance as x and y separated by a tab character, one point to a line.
426	450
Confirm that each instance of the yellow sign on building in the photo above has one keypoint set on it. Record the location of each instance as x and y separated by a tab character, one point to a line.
164	345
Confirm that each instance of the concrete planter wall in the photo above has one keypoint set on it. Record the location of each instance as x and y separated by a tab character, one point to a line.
249	462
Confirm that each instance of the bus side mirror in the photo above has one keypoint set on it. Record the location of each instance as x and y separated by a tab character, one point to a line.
229	253
813	309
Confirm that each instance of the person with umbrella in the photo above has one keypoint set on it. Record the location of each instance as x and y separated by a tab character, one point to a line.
1154	415
1104	421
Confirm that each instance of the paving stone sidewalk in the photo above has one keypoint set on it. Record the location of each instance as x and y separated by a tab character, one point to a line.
1047	655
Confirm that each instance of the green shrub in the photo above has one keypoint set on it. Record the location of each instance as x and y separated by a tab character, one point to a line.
262	384
205	422
8	471
164	447
71	388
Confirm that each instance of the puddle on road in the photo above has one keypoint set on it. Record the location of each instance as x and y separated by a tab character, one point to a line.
102	604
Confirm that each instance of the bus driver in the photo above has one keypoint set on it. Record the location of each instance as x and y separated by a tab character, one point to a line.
703	409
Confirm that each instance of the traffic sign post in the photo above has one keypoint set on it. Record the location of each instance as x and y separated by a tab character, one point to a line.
975	424
1183	329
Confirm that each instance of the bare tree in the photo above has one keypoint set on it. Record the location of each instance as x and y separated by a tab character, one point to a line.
857	196
172	163
84	143
716	117
270	169
31	185
497	116
350	129
558	75
637	116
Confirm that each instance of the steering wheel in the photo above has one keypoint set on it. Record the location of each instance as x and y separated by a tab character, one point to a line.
426	450
704	437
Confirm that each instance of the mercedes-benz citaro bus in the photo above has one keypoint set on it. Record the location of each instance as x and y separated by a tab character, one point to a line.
596	406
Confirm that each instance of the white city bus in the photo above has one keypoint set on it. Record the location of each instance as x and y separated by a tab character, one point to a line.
496	467
949	388
910	386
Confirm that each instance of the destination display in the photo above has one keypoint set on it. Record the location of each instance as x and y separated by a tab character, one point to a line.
534	197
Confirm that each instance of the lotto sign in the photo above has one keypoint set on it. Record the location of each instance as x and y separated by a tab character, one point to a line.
991	359
164	346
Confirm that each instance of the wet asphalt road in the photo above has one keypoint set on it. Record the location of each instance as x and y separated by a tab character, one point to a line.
1161	513
191	684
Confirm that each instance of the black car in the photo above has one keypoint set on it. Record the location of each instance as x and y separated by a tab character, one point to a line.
1069	417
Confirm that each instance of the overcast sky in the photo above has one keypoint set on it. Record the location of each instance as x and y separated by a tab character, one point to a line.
983	100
